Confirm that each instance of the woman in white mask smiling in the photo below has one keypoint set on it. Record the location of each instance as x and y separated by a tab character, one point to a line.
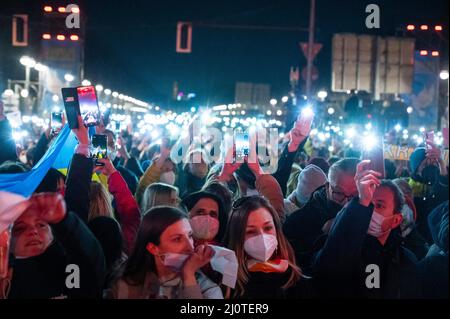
164	263
267	267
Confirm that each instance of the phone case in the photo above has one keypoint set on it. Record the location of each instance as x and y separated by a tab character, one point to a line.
376	157
70	100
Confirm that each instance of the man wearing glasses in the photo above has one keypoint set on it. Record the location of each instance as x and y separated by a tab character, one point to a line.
305	227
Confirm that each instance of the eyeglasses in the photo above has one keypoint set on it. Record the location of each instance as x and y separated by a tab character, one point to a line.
340	196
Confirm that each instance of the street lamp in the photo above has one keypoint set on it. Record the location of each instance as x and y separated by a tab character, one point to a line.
322	95
24	93
443	75
8	93
69	78
85	82
99	87
28	63
40	67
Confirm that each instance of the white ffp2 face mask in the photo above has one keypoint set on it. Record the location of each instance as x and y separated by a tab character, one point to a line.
204	227
261	247
376	223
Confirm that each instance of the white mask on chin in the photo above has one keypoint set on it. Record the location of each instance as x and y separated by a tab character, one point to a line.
174	261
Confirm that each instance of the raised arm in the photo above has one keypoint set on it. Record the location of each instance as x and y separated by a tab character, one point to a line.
78	182
127	208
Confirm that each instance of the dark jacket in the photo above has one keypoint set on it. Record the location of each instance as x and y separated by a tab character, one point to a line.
269	286
78	186
188	183
134	166
303	228
285	163
427	198
44	276
341	265
7	144
41	148
433	269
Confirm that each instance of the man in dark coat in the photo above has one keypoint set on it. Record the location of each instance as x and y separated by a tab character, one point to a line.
304	227
363	256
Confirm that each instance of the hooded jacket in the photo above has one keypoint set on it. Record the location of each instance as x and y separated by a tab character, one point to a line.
305	226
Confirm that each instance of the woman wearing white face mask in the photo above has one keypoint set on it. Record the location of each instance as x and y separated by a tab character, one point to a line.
207	217
267	267
164	263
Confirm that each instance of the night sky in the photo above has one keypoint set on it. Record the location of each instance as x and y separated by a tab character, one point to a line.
130	45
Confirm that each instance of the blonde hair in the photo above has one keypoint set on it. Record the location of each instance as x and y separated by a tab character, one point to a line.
100	202
235	237
157	194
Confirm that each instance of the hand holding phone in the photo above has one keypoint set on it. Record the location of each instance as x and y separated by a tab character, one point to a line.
56	122
106	167
70	99
99	145
304	121
242	145
376	156
87	100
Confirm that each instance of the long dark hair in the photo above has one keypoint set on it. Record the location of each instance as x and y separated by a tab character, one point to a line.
153	224
224	193
235	237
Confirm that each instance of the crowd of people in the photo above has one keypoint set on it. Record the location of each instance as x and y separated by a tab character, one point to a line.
148	226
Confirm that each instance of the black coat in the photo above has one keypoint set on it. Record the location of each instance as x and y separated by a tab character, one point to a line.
188	183
78	186
341	265
44	276
269	286
7	144
433	196
41	148
303	228
433	269
284	167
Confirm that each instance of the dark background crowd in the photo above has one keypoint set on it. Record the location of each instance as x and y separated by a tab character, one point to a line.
142	225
